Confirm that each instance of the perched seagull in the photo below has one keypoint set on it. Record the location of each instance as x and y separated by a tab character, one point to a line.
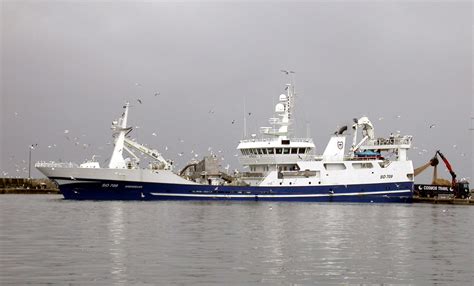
66	131
180	154
154	134
455	146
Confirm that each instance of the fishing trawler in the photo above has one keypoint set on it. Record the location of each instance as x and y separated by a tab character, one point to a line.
280	168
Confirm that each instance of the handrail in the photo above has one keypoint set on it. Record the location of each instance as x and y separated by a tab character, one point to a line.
307	140
56	165
391	141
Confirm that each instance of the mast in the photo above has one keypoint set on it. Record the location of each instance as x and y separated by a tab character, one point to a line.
117	161
245	120
283	112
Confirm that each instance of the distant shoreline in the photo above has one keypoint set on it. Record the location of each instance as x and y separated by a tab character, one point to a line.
27	186
29	192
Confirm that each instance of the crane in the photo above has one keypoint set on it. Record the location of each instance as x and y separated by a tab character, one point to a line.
460	189
152	153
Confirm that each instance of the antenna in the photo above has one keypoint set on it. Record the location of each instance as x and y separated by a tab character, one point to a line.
308	130
245	121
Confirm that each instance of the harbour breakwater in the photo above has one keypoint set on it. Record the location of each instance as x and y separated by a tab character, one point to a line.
27	186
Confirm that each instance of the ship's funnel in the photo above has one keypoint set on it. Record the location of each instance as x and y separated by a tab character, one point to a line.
335	149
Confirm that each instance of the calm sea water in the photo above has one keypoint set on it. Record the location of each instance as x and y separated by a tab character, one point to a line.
44	239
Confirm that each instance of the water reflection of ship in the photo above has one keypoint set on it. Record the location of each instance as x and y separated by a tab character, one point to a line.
117	233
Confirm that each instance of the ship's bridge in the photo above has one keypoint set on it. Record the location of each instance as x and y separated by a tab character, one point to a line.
278	150
274	151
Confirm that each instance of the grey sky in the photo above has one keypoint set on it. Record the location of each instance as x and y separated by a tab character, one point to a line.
71	65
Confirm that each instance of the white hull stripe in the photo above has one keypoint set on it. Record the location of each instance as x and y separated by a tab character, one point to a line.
280	196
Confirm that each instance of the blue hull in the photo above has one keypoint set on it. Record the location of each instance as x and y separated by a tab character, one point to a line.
117	190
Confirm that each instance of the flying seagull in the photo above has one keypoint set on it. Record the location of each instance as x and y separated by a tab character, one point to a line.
139	101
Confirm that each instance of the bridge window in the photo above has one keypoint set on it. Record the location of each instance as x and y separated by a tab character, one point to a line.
259	151
294	150
271	151
286	150
278	150
362	165
334	166
264	150
301	150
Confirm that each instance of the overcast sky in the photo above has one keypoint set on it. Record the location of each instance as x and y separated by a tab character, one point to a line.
70	65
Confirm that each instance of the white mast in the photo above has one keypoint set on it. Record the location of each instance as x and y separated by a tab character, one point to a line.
245	121
117	161
283	110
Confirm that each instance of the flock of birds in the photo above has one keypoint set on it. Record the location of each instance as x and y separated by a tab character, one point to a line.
76	140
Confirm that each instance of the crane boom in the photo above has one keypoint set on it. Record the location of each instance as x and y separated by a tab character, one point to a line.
450	169
152	153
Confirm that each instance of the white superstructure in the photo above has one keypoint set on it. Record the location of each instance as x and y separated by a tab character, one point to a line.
276	161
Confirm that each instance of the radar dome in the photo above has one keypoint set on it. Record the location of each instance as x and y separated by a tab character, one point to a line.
280	107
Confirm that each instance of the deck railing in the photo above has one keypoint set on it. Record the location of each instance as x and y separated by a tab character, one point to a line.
308	140
56	165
